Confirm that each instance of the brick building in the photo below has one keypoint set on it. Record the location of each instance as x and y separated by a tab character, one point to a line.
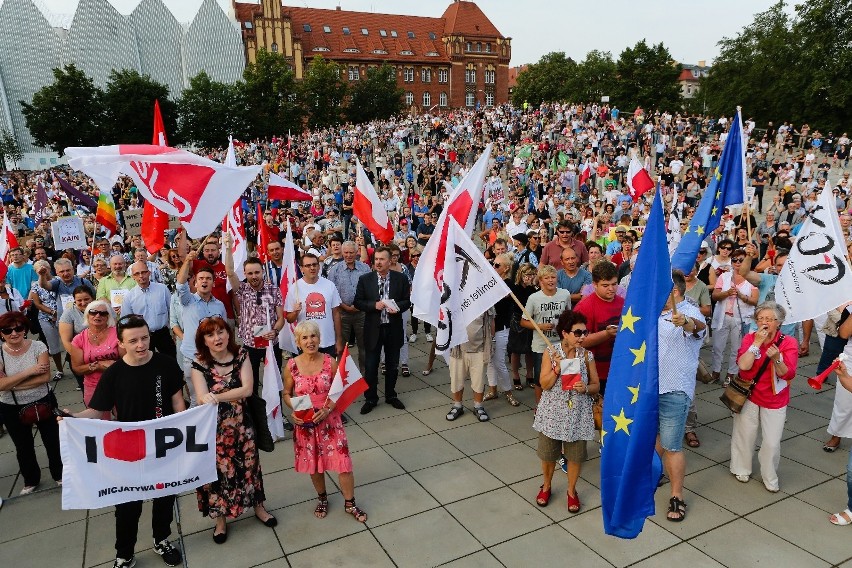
457	60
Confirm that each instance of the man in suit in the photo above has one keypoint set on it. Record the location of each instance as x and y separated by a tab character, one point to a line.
382	325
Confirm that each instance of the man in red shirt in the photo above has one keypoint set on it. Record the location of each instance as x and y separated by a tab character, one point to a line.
210	254
552	252
602	309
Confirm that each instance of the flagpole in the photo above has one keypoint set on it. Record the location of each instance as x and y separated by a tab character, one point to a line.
531	320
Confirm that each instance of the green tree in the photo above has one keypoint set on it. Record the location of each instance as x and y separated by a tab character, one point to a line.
552	78
375	96
594	78
209	111
647	76
9	147
68	112
129	106
323	93
271	96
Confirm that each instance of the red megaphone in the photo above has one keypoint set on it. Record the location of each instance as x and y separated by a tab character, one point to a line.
816	382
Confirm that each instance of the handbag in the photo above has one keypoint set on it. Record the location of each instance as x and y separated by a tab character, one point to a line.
703	374
597	411
34	412
255	411
738	389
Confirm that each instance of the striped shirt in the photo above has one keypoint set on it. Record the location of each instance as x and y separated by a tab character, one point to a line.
678	351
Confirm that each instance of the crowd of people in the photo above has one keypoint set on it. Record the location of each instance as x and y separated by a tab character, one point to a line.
564	241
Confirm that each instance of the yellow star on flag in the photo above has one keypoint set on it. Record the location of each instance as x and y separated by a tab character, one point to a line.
686	231
635	391
719	194
622	422
639	354
713	212
603	433
700	229
628	319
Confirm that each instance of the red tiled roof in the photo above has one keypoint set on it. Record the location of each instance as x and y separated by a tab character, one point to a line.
513	75
686	75
336	41
245	12
465	18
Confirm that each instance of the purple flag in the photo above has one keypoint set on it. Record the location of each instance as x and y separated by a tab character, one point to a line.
40	204
77	196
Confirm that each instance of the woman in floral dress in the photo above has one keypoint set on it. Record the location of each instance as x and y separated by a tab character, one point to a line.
320	444
222	375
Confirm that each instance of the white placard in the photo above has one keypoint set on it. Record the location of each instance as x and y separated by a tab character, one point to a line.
68	233
749	194
133	222
116	297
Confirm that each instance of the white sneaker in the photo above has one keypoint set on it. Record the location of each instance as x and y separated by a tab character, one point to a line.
412	338
28	489
429	338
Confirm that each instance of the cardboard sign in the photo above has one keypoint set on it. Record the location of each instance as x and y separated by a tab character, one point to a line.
133	222
68	233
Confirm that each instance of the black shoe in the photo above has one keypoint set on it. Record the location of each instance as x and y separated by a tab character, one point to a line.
368	407
170	555
220	538
271	522
344	419
396	403
287	425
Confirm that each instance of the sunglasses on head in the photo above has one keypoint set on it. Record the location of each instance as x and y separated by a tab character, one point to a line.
16	329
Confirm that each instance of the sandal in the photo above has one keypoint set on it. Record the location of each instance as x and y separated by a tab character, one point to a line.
426	372
518	385
839	520
350	507
827	447
481	414
677	507
574	503
405	371
455	412
530	382
510	398
322	505
490	395
543	497
692	440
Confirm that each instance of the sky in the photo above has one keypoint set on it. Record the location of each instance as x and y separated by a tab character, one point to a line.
690	29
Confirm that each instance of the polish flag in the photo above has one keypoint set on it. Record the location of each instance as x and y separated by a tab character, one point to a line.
286	338
348	384
262	236
638	179
8	240
271	394
286	190
159	128
154	222
585	172
233	224
428	285
368	208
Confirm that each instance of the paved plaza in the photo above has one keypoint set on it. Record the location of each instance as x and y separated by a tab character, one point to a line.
462	494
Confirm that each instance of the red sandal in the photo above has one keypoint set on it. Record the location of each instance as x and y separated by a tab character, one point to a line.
543	497
573	503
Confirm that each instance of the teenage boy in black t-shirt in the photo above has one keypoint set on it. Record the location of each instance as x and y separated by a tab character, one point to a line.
130	386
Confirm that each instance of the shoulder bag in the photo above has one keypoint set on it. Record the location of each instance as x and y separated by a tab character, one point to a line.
34	412
738	390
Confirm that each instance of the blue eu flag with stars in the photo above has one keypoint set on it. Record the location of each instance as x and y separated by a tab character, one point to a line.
726	187
630	467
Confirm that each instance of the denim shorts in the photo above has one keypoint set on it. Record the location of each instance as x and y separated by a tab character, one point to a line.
674	407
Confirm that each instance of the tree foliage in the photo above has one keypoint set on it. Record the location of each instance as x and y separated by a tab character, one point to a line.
129	102
68	112
9	147
324	92
271	96
788	68
647	76
548	80
209	111
595	77
375	96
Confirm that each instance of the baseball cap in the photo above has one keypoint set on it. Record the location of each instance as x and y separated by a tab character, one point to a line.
621	229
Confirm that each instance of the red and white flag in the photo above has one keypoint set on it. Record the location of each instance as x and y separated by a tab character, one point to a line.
585	172
155	222
638	179
262	236
159	138
368	208
197	190
286	338
8	240
271	393
286	190
233	224
348	384
427	288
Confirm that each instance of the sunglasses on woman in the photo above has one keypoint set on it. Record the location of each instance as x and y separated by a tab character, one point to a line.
580	332
101	313
16	329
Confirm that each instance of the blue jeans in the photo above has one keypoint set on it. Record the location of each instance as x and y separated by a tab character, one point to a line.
674	406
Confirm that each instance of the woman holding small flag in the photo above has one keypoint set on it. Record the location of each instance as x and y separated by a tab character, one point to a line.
319	440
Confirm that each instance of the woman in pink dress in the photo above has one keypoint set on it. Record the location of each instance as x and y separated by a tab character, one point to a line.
320	444
95	348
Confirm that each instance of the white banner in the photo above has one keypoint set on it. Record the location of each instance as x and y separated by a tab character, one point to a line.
68	233
106	463
470	286
816	277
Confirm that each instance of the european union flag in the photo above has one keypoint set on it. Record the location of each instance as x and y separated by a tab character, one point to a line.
630	467
726	187
531	200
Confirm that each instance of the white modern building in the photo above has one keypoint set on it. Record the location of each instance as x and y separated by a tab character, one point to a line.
99	39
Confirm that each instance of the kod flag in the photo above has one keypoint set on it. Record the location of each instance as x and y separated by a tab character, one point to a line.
816	277
106	463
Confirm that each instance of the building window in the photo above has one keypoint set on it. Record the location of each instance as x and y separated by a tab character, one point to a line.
351	50
383	33
274	47
248	25
406	52
469	99
467	46
442	99
409	98
433	36
354	73
307	27
326	29
408	74
410	35
427	100
490	75
470	74
393	33
443	75
487	48
364	31
479	47
345	31
489	99
426	75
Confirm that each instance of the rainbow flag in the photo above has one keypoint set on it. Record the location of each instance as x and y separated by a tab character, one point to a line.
105	216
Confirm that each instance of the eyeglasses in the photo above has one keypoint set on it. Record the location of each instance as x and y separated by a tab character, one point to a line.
726	248
497	265
737	260
312	265
100	313
16	329
564	232
415	256
580	332
765	320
